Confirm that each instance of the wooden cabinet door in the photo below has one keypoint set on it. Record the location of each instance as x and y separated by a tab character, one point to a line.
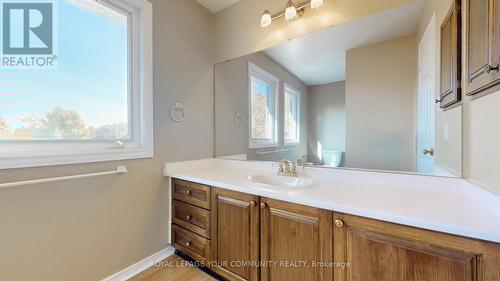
296	234
375	250
495	50
235	234
451	57
483	28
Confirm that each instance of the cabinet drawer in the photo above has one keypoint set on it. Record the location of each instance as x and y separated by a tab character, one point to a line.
192	193
190	243
192	218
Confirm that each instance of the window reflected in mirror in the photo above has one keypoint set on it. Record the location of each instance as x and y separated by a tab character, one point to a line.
359	95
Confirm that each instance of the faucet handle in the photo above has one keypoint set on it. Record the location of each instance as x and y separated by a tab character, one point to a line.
301	161
286	165
281	168
294	172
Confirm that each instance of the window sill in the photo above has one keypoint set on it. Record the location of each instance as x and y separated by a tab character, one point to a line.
291	144
263	145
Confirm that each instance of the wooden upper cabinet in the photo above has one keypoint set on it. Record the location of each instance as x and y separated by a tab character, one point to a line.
235	233
451	57
483	44
291	232
377	250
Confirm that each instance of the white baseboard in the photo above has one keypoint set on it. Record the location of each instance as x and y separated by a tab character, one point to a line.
139	267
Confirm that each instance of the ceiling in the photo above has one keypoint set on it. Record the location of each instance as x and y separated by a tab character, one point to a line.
216	5
320	57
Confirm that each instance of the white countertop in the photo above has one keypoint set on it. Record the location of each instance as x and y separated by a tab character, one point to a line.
442	204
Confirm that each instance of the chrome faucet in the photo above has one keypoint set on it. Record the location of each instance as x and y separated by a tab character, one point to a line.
287	168
301	161
281	168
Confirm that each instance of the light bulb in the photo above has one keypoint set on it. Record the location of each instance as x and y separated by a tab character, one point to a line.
290	12
266	19
315	4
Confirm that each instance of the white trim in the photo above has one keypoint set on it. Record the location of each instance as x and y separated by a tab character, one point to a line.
255	145
288	88
428	39
254	70
96	8
47	153
141	266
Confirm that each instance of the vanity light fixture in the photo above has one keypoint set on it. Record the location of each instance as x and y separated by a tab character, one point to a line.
315	4
291	12
266	19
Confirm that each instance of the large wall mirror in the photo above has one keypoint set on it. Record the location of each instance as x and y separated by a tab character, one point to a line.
359	95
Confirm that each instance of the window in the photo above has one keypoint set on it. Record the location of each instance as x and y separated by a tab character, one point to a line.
292	116
263	96
96	104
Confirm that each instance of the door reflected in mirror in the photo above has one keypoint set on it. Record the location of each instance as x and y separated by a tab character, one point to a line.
359	95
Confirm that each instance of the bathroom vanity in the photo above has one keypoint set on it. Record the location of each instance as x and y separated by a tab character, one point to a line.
365	95
346	98
391	232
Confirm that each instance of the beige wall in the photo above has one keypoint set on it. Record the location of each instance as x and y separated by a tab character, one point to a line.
481	134
90	228
327	123
380	91
238	30
231	96
448	152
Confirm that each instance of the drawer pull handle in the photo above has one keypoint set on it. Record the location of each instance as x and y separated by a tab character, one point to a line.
188	244
188	217
339	223
252	203
188	192
263	205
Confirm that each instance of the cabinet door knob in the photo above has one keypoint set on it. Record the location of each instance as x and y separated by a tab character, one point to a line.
485	70
339	223
188	217
262	205
252	203
188	244
489	68
188	192
429	151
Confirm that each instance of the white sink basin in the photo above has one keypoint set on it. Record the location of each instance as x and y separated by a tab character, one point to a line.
280	181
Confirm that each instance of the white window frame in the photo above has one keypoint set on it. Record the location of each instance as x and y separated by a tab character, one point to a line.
254	70
20	154
298	94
